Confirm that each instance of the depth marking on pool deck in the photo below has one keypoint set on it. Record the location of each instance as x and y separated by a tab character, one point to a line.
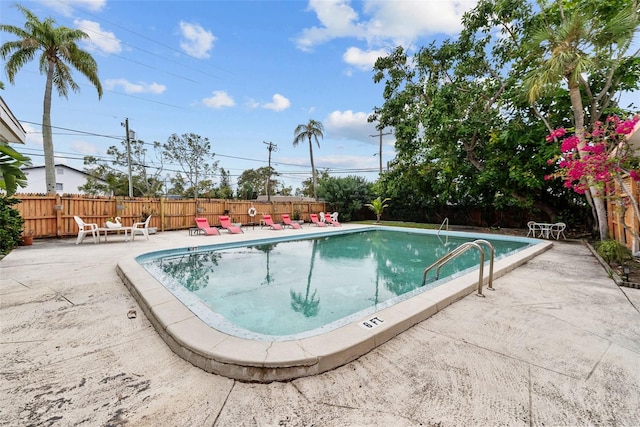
371	323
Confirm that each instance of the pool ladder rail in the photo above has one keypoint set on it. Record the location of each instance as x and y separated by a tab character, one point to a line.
444	225
459	251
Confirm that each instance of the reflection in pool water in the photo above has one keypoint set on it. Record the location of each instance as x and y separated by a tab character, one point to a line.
285	289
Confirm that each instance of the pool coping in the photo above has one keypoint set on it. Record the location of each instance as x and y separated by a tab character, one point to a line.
267	361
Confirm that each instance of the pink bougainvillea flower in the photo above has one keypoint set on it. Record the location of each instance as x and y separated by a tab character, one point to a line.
558	133
635	175
625	128
570	143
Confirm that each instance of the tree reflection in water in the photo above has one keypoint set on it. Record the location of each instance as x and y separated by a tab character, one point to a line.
192	269
266	249
309	305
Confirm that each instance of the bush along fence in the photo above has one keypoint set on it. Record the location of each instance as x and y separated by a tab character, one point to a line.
52	215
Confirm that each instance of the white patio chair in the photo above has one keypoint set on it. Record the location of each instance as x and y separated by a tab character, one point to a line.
85	228
532	228
557	229
140	228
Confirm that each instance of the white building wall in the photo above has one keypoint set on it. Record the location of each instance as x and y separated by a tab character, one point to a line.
67	180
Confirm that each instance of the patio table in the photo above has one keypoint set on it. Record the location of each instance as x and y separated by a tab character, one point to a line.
126	230
546	229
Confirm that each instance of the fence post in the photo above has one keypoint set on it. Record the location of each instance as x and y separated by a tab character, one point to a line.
59	221
162	207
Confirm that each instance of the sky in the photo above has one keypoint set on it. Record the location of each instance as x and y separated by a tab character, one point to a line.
240	73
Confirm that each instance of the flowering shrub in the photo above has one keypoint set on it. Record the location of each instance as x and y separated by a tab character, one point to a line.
604	156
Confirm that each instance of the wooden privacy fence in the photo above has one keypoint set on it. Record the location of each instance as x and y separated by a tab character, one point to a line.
52	215
624	225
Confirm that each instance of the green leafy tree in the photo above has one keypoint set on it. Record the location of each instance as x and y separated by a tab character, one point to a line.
377	206
310	131
225	191
192	153
307	184
59	53
102	179
346	195
467	135
584	45
146	171
253	182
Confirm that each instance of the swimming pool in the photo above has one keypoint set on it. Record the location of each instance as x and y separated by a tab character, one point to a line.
292	289
254	356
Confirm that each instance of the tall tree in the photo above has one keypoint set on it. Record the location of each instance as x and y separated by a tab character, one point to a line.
347	195
147	180
192	153
253	182
225	191
59	53
584	46
310	131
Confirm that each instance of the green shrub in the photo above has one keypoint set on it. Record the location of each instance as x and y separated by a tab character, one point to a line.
613	252
10	224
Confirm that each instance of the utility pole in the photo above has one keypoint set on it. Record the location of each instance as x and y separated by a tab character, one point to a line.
129	134
271	147
380	134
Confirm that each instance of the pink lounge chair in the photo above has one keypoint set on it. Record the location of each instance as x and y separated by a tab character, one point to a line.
287	222
316	221
268	221
204	226
328	219
225	222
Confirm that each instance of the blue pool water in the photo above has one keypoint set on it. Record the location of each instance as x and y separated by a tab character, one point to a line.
280	289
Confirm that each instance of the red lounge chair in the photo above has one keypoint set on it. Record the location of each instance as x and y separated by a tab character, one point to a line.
203	225
225	222
268	221
287	222
328	219
316	221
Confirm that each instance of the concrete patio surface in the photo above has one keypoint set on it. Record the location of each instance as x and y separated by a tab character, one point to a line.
557	343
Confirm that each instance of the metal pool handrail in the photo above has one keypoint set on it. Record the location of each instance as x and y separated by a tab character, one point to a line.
459	251
445	225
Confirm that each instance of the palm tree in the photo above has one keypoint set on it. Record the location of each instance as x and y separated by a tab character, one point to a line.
569	51
377	207
311	130
59	50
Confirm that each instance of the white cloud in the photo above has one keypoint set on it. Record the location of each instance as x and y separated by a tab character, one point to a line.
67	7
99	40
197	41
364	60
385	23
337	19
349	125
34	136
278	103
219	99
140	87
354	126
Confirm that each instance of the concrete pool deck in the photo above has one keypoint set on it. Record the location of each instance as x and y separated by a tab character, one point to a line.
557	343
